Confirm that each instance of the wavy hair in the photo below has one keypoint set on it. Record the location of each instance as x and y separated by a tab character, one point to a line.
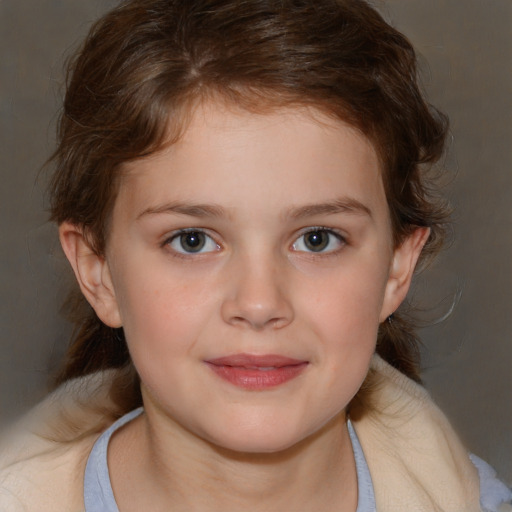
130	88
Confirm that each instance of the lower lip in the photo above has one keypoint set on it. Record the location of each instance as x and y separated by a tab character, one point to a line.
256	380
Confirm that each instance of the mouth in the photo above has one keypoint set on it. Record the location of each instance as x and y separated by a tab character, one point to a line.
253	372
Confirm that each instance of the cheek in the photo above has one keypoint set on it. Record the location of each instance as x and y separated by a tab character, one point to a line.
347	300
163	311
343	312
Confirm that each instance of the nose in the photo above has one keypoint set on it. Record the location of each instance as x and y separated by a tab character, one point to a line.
257	295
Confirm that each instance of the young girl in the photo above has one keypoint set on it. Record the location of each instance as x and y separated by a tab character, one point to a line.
242	191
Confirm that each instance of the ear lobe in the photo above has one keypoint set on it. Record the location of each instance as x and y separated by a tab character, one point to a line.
92	273
402	268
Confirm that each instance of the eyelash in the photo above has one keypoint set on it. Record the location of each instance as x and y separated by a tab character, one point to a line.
178	236
331	233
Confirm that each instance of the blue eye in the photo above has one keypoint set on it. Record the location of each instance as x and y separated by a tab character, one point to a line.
192	242
318	240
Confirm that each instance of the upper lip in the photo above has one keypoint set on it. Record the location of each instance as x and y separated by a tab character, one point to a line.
255	361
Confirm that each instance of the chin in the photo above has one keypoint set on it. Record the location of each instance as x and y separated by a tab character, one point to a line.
258	439
257	445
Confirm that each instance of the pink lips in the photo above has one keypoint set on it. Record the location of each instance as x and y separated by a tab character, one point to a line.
257	372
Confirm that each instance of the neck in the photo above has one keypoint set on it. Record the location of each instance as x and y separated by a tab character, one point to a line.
173	466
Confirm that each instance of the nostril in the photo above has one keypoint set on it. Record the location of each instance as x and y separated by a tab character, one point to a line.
277	323
254	323
259	324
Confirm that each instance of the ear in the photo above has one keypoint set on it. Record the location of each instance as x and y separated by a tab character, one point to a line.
92	273
402	268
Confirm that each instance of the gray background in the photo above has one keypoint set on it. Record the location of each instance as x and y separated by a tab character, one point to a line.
466	56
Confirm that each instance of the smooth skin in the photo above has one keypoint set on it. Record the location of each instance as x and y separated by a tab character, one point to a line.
257	234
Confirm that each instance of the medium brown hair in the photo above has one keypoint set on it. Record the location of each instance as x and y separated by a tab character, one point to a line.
146	62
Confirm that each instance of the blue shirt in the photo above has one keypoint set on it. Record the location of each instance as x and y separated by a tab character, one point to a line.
99	497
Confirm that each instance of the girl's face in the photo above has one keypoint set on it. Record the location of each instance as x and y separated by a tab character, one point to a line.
250	265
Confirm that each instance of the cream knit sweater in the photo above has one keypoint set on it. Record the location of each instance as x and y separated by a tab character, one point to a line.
416	461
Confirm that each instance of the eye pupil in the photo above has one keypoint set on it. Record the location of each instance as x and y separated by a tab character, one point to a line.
316	240
193	241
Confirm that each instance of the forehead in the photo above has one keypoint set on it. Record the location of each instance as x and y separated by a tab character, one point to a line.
240	158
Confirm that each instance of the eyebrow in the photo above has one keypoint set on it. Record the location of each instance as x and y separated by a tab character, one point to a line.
344	205
193	210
